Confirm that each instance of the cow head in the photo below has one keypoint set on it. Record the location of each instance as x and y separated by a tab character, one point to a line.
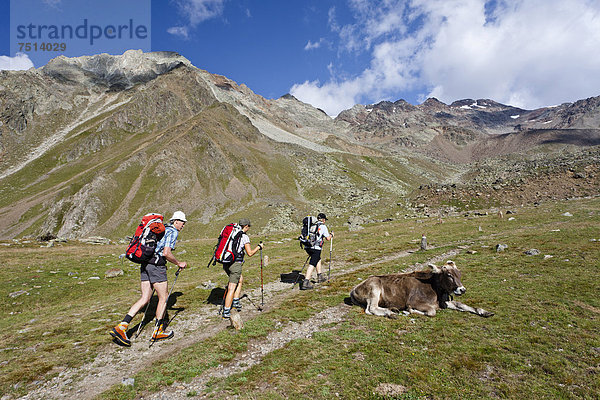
450	277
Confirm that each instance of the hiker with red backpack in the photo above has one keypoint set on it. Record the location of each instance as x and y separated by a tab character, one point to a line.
231	255
313	246
153	274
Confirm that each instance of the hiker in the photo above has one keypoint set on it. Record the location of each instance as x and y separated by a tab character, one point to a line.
154	276
234	269
314	252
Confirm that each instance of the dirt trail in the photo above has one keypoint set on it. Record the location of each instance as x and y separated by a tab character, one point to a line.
114	364
256	352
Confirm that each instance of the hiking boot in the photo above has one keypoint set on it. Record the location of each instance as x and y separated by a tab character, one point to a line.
160	334
237	304
321	278
306	285
119	332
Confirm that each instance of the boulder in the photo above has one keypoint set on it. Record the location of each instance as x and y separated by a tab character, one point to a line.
236	321
95	240
501	247
390	390
113	273
17	293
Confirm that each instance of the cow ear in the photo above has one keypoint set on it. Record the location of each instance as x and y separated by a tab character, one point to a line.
435	268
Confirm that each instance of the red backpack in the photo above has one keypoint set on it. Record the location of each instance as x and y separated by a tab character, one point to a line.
147	235
227	243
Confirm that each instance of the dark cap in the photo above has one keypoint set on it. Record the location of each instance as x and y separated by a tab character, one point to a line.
244	222
322	216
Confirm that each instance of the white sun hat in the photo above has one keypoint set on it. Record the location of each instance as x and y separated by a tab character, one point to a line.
178	215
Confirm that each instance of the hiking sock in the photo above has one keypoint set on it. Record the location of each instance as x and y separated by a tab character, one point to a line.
237	304
127	319
226	312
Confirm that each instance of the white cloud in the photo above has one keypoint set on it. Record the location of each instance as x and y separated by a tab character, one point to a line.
534	54
528	53
200	10
19	62
311	46
330	96
195	12
332	20
179	31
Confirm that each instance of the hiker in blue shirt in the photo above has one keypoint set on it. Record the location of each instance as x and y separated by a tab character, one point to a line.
314	253
154	276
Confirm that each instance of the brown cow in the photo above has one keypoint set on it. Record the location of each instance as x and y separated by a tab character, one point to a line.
421	292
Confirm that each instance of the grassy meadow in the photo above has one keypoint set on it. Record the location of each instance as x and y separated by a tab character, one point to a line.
542	343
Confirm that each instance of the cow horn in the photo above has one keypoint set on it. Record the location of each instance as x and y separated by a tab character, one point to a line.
435	268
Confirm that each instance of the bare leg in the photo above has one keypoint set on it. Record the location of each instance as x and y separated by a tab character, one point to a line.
309	271
162	292
144	299
231	290
238	291
319	269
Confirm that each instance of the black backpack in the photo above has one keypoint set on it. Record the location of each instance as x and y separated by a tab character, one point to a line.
309	233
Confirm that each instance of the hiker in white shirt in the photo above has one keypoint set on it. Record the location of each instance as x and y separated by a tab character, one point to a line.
314	253
234	270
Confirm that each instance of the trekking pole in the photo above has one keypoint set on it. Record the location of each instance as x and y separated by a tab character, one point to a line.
142	324
152	341
299	273
262	295
211	260
330	250
245	296
171	291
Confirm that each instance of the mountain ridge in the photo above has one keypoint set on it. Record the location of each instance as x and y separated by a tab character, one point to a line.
89	144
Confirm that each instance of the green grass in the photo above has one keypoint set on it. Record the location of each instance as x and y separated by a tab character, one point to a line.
542	343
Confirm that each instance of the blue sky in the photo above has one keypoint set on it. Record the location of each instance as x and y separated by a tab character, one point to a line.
337	53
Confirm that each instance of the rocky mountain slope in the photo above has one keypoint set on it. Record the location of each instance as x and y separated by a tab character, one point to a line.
401	124
89	144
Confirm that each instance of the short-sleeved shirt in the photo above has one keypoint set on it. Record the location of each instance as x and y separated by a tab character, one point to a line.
168	240
322	232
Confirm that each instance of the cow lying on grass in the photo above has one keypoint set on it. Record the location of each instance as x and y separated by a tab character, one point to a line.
420	292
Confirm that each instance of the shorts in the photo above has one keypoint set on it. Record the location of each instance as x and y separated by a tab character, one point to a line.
234	271
315	256
153	273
